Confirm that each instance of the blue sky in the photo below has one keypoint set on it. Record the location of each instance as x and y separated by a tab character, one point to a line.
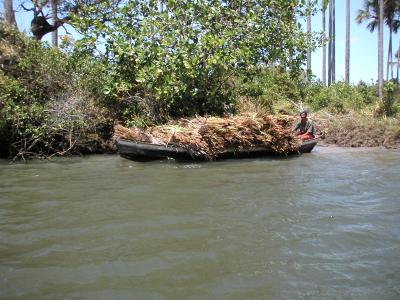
363	44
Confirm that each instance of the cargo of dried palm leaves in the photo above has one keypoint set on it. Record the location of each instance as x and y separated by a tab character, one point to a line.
213	135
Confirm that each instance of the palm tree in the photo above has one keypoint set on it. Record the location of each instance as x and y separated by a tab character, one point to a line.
323	10
309	35
373	11
347	52
331	44
380	50
391	11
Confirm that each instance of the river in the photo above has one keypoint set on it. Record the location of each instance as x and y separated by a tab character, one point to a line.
324	225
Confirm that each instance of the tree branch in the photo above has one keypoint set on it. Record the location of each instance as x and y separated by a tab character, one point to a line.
27	9
40	27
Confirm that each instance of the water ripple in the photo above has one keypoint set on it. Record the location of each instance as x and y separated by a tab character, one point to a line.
319	226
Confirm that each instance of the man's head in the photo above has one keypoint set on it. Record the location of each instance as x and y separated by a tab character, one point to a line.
303	114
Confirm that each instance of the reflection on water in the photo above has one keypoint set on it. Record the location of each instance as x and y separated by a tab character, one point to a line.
321	226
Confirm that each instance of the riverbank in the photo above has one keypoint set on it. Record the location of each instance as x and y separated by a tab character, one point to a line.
350	130
58	103
355	130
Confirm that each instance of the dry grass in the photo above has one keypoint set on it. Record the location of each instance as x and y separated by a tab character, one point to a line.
356	130
212	135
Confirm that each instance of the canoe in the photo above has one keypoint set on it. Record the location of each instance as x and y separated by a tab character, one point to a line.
307	146
146	152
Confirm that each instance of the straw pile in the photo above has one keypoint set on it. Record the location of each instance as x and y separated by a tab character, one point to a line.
212	135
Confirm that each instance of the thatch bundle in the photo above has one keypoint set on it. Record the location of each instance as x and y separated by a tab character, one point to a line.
133	134
212	135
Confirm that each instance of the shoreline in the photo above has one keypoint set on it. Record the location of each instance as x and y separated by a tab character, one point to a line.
353	131
322	145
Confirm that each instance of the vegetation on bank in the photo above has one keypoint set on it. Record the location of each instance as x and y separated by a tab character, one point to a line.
50	101
66	101
358	130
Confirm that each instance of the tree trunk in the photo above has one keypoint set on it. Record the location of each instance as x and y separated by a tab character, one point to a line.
54	17
333	43
330	44
380	51
331	48
323	49
9	13
347	55
398	64
389	63
309	37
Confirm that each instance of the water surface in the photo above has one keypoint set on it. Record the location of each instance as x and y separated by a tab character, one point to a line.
324	225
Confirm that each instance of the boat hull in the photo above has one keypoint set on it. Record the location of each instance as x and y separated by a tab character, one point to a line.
147	152
307	146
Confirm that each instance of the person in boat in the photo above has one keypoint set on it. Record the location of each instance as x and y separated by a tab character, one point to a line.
304	128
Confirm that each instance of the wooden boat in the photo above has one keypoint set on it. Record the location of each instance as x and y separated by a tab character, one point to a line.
307	146
145	152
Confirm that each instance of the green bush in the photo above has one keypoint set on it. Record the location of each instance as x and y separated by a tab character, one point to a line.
184	57
340	97
274	88
279	91
48	98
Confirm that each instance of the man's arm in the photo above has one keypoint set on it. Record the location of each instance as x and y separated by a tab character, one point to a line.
296	126
311	128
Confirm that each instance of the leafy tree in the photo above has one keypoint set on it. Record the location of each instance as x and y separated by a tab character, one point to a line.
50	101
183	56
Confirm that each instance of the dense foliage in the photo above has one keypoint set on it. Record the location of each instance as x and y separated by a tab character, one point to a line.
49	100
182	57
276	90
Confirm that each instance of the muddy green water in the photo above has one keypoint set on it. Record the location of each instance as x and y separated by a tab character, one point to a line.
324	225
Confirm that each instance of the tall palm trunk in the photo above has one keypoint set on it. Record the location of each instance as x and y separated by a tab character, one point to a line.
380	51
323	48
347	55
54	33
309	36
398	64
389	63
9	14
331	45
